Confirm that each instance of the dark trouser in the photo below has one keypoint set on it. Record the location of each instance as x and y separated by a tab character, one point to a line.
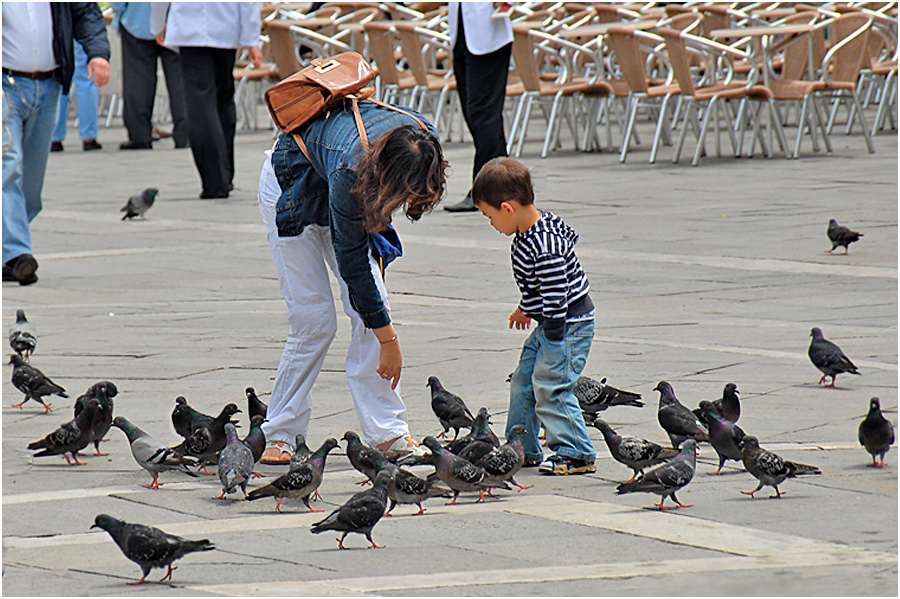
209	99
139	59
481	85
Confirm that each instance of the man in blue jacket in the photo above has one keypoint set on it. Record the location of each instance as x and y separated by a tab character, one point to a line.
38	63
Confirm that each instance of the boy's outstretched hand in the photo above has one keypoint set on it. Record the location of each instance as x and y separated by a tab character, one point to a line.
519	320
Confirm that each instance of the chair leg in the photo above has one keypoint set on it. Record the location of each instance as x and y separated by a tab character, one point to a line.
524	125
801	125
820	115
626	137
710	109
515	125
688	112
886	94
774	123
660	127
862	122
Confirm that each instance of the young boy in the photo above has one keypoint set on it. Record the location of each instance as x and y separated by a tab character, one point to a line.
555	293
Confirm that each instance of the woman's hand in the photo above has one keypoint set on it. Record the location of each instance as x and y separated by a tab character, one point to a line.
390	362
519	320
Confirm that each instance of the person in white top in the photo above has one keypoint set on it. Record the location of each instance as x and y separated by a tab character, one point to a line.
481	49
207	35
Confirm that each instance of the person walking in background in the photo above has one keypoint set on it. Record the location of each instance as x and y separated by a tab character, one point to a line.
140	55
87	97
207	35
38	63
481	49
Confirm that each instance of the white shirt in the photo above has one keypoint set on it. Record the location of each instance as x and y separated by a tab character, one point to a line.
207	24
28	37
483	34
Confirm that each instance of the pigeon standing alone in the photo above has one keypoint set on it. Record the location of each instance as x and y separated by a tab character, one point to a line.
360	513
769	468
139	203
841	236
152	455
33	383
635	453
678	421
828	357
235	463
71	437
596	396
147	546
103	392
876	433
449	408
667	478
22	336
300	482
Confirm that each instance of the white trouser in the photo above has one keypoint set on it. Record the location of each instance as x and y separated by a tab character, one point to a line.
302	263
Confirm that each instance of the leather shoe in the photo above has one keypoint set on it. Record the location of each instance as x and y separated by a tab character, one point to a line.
22	269
465	205
91	144
135	145
211	195
56	146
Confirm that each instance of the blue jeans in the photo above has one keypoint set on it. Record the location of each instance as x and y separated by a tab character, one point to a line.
88	97
32	109
541	392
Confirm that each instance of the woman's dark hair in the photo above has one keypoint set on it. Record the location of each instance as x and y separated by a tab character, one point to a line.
404	167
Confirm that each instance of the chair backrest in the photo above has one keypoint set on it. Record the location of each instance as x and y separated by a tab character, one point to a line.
523	56
688	21
795	58
282	47
679	59
413	50
626	46
381	47
846	57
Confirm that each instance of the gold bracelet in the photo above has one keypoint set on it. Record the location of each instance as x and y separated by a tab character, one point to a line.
391	340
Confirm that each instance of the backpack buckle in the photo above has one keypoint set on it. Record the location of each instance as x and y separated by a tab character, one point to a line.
328	66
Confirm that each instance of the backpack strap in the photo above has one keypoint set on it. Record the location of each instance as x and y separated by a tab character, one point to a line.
359	123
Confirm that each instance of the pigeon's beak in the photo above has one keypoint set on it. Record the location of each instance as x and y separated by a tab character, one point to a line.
95	526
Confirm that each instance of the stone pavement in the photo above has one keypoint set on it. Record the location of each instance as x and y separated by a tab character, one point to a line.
700	276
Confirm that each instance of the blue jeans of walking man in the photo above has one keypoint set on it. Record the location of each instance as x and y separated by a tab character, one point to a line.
541	392
87	96
31	110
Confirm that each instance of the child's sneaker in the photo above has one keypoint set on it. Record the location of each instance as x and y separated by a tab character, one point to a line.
560	464
532	462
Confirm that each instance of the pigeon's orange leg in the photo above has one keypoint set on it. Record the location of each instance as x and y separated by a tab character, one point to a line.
168	575
141	581
154	484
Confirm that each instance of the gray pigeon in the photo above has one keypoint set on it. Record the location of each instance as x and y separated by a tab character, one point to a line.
360	513
457	473
841	236
449	408
139	203
876	433
828	357
71	437
152	455
678	421
480	441
769	468
235	463
209	439
404	487
361	456
667	478
148	547
503	462
724	436
729	405
33	383
635	453
301	451
596	396
103	392
22	336
300	482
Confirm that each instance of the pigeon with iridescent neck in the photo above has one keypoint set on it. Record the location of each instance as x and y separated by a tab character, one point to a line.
300	482
724	436
152	455
634	452
768	468
71	437
360	513
139	203
449	408
678	421
666	478
33	383
828	357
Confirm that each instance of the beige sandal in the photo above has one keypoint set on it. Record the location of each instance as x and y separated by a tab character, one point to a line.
276	454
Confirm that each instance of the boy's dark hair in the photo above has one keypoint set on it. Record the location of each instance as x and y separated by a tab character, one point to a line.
501	180
405	168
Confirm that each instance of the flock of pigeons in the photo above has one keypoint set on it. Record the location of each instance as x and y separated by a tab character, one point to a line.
476	462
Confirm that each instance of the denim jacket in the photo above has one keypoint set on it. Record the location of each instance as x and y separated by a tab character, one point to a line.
318	191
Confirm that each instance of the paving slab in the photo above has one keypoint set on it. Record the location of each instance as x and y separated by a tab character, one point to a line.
701	276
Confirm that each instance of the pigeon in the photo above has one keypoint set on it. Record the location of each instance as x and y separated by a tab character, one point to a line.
480	433
139	203
449	408
724	436
404	487
729	405
300	482
360	513
678	421
666	478
768	468
152	455
597	396
254	406
22	336
361	456
209	439
71	437
301	451
256	440
235	463
841	236
457	473
148	547
876	433
103	391
634	452
828	357
185	418
503	462
33	383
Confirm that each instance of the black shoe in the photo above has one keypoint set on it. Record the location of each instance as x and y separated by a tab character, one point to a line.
91	144
209	195
22	269
532	462
135	145
465	206
55	146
